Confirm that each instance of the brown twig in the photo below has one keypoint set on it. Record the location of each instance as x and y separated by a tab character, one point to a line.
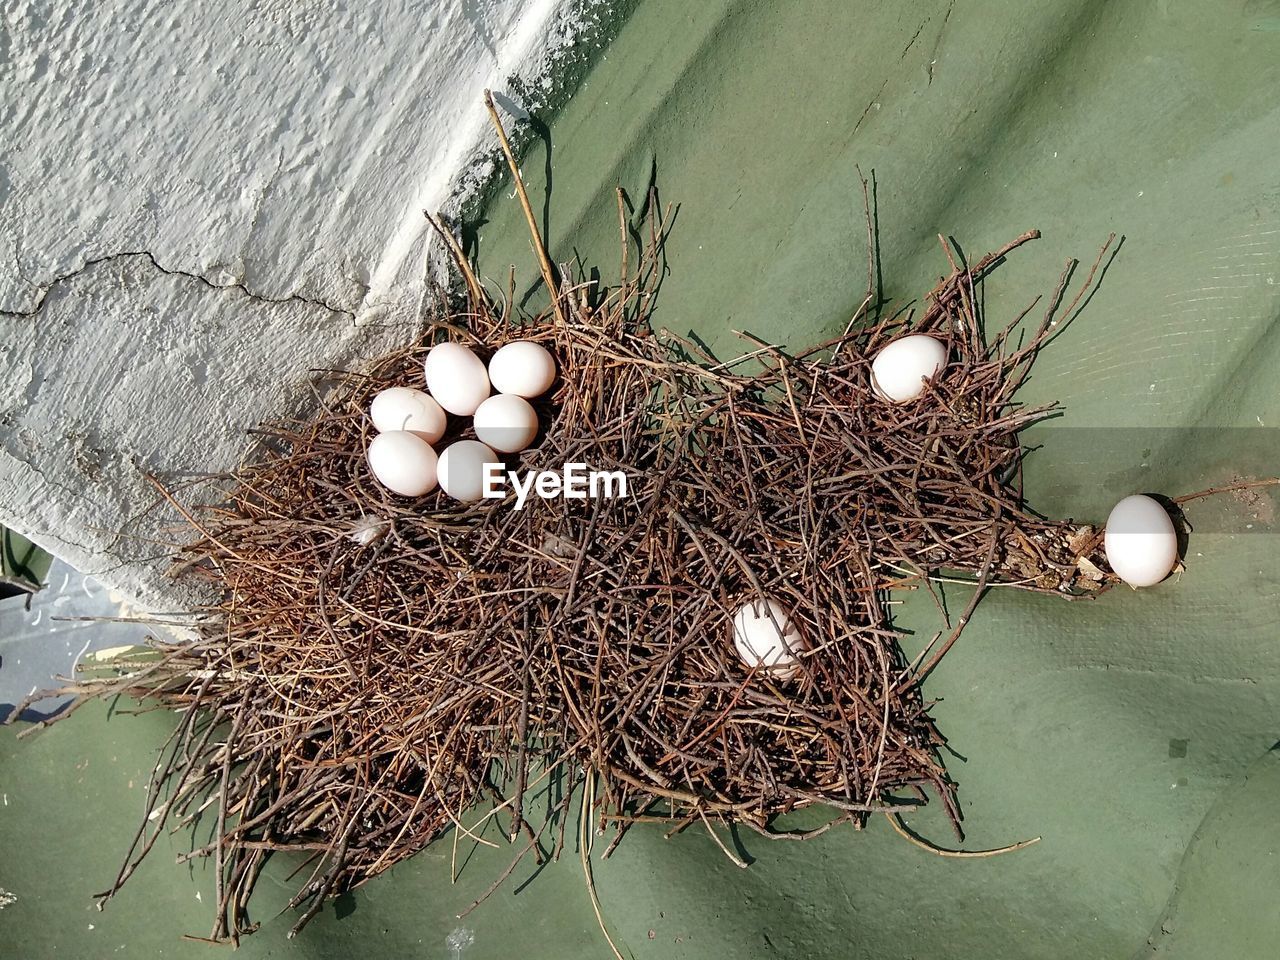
895	820
544	262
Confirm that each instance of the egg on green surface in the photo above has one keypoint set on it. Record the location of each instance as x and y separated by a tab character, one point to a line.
1140	541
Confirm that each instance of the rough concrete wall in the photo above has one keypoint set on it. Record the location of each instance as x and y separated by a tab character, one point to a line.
201	201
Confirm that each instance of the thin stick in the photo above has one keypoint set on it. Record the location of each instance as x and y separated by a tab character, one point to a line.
544	263
474	289
626	245
737	861
500	880
895	820
979	589
1227	488
584	848
19	583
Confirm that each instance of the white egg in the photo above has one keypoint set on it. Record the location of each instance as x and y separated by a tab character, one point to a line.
899	370
456	378
1140	541
461	469
506	422
403	462
760	642
522	368
403	408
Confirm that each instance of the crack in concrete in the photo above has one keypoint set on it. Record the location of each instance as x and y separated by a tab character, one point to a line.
871	103
913	39
937	41
49	286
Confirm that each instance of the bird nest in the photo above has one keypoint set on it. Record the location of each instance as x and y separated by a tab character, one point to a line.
380	667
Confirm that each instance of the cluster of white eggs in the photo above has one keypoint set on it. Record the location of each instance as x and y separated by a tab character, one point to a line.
411	422
1139	540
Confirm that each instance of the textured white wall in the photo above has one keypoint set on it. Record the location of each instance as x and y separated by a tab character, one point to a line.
199	202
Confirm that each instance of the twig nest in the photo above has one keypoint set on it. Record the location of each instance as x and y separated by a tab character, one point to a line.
403	462
1141	544
899	371
506	422
522	368
462	467
403	408
456	377
766	638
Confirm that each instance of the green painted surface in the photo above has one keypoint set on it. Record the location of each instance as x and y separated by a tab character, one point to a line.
1125	731
22	559
1237	850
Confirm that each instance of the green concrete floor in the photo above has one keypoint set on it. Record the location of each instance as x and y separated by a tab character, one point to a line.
1134	733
